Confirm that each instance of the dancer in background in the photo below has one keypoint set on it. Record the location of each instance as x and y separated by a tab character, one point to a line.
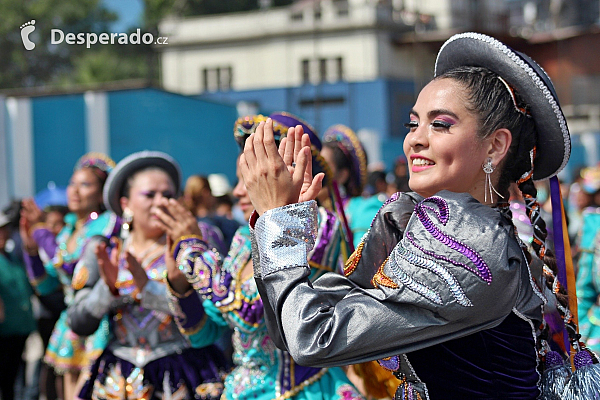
68	353
16	314
227	296
147	357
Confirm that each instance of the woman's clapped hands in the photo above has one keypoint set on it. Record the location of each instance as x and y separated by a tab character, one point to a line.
278	177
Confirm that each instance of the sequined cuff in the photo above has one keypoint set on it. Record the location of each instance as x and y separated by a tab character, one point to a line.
255	252
188	311
285	236
197	261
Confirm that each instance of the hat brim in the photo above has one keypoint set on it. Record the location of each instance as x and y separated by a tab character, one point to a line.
113	188
529	80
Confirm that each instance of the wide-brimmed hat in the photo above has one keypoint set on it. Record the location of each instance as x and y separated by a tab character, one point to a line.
95	160
113	189
4	219
348	142
553	142
246	126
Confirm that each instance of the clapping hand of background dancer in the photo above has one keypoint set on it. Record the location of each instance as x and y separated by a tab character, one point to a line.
278	177
109	267
31	215
178	222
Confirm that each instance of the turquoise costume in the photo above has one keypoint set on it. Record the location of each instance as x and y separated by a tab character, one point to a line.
360	212
67	351
262	371
588	280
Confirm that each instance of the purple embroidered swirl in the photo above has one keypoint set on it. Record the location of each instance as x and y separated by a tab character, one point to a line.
442	213
390	363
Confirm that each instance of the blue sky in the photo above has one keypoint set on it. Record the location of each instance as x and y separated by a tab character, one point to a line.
129	11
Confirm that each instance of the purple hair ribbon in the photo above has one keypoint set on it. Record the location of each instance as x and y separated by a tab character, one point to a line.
562	250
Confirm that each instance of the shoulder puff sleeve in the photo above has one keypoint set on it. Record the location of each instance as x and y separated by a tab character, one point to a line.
93	298
456	270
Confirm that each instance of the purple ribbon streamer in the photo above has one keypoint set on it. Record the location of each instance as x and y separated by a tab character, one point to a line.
559	243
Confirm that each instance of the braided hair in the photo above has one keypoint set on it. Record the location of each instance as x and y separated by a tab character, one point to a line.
498	106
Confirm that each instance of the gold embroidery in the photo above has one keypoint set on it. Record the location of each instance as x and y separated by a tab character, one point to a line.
381	279
353	260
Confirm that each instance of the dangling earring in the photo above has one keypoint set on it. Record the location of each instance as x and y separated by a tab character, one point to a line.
488	168
127	220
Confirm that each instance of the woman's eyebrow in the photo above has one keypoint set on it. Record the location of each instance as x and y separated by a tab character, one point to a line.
433	113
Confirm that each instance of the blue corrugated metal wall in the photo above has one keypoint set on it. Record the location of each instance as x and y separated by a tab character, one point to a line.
58	137
199	134
381	105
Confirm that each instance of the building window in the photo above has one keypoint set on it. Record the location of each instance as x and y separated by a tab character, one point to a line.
305	71
320	70
217	79
341	8
297	16
317	13
340	68
323	70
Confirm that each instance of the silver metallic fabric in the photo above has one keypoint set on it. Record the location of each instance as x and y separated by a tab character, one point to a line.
454	269
292	230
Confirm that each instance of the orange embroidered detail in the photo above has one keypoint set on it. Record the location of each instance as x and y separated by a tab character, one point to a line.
381	279
353	260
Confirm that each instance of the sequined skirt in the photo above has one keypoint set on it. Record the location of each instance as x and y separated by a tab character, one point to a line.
193	374
328	384
69	352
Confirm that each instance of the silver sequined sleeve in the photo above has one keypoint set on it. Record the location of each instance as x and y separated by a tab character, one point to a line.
288	235
455	270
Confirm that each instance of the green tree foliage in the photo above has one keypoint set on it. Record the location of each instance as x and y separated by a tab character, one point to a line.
21	68
65	65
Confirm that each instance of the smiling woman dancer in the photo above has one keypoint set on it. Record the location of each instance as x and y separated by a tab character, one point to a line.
147	357
229	297
68	353
442	292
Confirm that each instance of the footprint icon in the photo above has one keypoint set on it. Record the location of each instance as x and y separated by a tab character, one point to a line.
26	29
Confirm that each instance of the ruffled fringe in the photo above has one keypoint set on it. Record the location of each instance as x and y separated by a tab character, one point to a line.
585	381
555	377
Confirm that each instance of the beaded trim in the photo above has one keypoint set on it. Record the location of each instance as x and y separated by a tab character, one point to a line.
390	363
381	279
408	281
353	260
482	269
80	278
422	262
536	79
